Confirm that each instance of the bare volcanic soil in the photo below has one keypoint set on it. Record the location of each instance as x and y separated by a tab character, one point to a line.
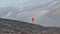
18	27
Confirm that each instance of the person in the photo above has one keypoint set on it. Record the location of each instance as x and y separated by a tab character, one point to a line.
33	19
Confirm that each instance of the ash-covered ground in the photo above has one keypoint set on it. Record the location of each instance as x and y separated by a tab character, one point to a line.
18	27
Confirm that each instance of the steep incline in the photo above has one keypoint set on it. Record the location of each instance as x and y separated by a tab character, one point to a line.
18	27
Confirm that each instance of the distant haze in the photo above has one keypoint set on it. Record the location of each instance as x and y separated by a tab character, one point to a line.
12	3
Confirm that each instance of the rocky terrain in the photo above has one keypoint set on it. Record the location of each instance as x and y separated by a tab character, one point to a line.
18	27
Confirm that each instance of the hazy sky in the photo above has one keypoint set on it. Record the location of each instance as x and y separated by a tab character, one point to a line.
11	2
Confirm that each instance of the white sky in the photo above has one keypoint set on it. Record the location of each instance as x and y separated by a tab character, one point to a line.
4	3
12	3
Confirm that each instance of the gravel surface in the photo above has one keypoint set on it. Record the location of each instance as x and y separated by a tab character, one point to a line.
18	27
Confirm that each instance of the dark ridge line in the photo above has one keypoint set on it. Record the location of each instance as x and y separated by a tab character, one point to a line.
25	23
19	21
